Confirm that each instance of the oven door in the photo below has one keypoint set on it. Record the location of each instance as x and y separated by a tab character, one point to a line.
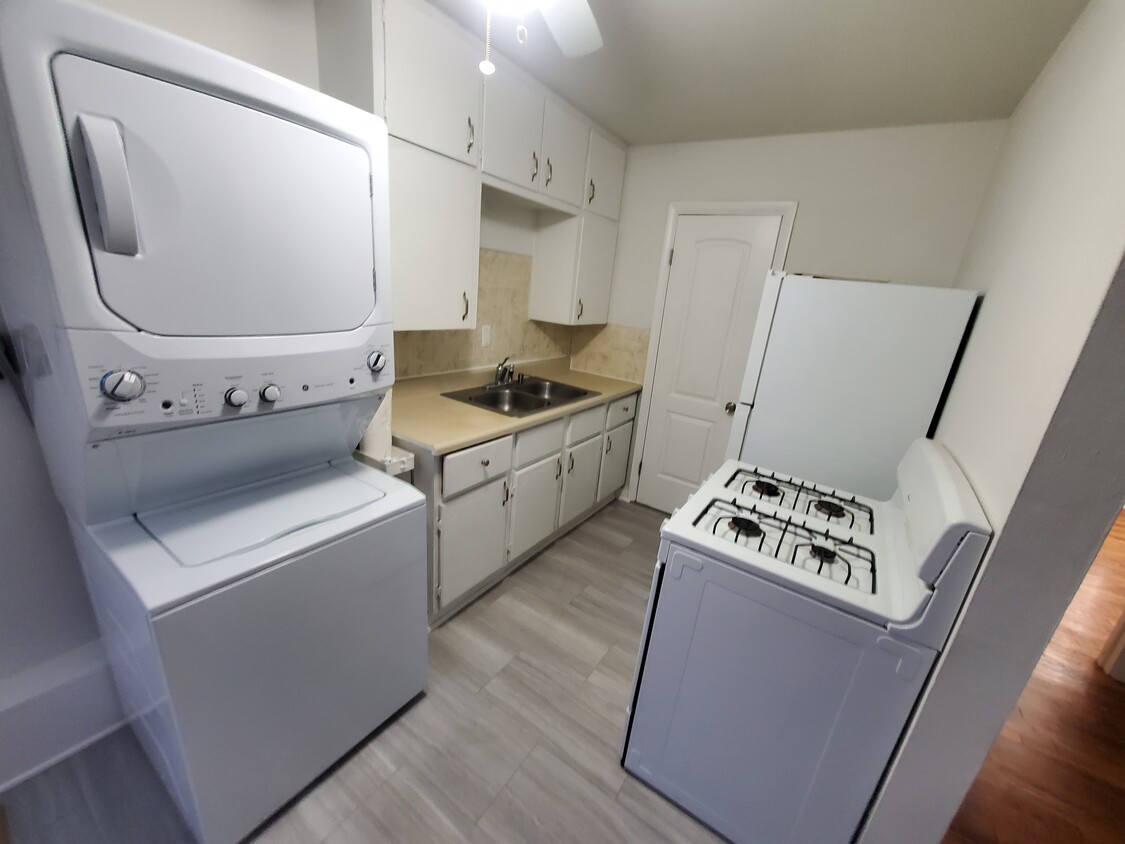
642	652
767	715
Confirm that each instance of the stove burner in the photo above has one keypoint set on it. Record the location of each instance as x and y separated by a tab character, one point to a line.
766	489
822	554
744	526
830	509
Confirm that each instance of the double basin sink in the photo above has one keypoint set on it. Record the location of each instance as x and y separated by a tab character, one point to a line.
522	398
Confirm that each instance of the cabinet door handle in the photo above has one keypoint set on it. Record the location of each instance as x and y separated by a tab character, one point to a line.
504	503
465	314
550	173
570	468
472	136
581	309
534	165
593	190
608	444
558	469
485	462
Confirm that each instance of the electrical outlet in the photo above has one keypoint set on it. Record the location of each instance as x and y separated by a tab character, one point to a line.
485	336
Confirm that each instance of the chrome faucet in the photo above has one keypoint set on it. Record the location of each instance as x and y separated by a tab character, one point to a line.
505	371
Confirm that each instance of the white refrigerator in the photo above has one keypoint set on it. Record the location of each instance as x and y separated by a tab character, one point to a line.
843	375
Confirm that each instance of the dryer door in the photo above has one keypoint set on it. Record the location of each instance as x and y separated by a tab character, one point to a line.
209	218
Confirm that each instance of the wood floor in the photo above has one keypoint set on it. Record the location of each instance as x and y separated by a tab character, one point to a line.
1057	771
517	740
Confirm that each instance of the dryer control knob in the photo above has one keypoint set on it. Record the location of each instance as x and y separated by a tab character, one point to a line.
236	397
376	361
122	384
270	393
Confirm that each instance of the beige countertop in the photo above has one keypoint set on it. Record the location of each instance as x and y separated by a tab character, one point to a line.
422	417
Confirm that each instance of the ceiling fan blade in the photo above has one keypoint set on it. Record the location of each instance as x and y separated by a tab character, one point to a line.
572	24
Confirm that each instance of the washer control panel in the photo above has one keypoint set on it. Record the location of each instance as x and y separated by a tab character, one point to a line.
129	389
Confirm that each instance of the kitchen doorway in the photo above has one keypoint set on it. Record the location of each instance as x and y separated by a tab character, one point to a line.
707	302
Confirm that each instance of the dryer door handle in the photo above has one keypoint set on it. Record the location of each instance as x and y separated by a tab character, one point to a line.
113	190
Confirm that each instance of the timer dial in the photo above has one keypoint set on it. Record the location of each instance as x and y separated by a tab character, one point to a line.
270	393
236	397
122	384
376	361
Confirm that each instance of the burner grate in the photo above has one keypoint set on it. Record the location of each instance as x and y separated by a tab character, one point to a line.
792	540
804	497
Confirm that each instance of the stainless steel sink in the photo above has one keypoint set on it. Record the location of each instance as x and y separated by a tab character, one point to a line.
553	391
522	398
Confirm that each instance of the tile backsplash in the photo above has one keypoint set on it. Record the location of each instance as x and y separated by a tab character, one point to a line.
616	351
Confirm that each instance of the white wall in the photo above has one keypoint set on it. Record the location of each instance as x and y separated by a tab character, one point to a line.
890	204
1047	244
278	35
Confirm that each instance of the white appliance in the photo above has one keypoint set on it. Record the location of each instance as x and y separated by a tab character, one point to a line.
790	630
843	375
194	276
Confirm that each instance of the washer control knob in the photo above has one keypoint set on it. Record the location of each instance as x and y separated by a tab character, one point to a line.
376	361
270	393
122	384
236	397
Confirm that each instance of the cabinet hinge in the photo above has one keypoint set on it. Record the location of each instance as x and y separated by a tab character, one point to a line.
671	252
370	185
640	466
437	517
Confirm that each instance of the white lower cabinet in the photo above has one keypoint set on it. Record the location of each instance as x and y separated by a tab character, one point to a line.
535	504
615	460
580	479
471	533
492	503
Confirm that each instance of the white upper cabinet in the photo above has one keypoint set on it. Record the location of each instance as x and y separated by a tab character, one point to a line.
565	139
572	269
435	239
605	176
433	85
596	251
513	133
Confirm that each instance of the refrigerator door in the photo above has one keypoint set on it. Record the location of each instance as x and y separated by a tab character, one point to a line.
852	373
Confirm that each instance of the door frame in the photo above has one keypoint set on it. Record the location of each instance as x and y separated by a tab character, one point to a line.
788	213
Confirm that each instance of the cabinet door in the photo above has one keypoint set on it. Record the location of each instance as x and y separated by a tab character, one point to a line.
615	460
433	86
580	479
535	504
513	128
471	539
435	239
605	176
595	270
566	137
554	267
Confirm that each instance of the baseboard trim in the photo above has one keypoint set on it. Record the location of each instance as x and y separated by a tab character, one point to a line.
54	709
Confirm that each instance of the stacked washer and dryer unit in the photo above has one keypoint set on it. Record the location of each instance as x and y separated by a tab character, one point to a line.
194	277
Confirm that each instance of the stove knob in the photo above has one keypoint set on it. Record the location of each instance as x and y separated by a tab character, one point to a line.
236	397
376	361
270	393
122	384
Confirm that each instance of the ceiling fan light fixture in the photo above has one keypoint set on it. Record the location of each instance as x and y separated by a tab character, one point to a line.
513	8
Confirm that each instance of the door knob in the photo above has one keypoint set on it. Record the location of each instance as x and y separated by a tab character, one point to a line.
729	407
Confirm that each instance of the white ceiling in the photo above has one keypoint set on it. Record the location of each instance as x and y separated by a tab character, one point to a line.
675	70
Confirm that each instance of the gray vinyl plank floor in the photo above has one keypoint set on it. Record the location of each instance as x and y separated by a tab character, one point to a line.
516	740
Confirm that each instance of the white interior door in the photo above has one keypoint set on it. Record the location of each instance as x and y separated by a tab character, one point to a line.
719	269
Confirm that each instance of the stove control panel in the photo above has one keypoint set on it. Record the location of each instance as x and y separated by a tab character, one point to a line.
136	383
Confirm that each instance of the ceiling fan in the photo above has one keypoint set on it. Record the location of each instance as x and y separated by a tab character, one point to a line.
571	23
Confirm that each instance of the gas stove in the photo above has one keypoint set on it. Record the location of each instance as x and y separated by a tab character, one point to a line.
808	499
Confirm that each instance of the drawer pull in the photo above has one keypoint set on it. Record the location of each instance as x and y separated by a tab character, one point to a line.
485	462
506	495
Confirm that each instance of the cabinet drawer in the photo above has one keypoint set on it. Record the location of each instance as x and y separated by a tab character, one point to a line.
622	411
469	467
539	442
588	423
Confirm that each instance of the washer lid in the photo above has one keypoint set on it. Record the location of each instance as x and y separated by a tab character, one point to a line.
253	516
